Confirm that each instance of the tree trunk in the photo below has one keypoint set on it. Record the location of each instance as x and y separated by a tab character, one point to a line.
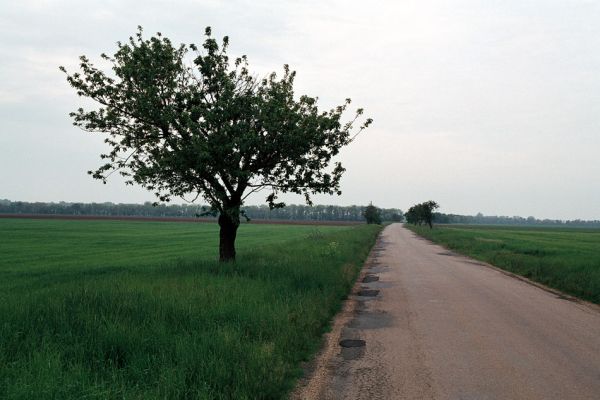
229	226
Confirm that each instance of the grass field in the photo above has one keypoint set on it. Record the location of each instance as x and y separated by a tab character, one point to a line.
564	259
141	310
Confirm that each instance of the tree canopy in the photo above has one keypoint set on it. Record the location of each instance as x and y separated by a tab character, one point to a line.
186	121
421	213
372	214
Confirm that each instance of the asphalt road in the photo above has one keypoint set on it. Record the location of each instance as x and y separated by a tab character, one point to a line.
443	326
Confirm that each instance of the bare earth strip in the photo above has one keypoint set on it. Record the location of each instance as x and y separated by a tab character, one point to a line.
444	326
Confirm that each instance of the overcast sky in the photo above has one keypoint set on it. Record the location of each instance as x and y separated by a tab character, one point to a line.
483	106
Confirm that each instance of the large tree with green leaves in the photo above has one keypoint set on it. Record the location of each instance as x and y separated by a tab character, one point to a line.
186	121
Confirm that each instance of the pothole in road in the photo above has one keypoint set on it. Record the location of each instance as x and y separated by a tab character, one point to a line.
370	278
378	269
368	292
368	320
352	343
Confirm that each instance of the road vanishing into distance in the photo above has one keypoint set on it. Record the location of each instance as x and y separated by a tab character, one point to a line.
425	323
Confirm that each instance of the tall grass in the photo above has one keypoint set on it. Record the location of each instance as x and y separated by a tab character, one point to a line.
185	329
565	259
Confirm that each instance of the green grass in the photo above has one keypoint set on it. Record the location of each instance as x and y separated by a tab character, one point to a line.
140	310
564	259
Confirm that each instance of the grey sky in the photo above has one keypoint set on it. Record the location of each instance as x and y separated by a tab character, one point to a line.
490	106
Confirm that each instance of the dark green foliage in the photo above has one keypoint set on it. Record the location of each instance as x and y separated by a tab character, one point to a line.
87	310
565	259
372	214
183	121
422	213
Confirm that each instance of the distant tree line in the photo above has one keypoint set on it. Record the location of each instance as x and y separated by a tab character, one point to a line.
290	212
320	213
481	219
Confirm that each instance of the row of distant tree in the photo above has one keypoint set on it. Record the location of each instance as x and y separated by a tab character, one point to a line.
290	212
481	219
424	213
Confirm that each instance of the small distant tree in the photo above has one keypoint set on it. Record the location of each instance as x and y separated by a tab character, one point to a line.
411	215
422	213
427	209
203	126
372	214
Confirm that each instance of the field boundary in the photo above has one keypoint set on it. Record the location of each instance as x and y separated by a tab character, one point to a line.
559	294
173	219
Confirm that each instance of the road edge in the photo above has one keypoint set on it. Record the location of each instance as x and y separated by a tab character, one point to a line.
316	372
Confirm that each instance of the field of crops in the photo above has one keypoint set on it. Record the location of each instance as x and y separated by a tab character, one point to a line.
141	310
564	259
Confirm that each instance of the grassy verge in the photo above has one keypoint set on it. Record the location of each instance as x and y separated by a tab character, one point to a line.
141	311
564	259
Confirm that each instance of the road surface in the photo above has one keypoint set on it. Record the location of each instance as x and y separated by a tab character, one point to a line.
444	326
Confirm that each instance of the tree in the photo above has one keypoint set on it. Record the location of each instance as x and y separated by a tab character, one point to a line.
411	215
427	209
372	214
185	122
421	213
